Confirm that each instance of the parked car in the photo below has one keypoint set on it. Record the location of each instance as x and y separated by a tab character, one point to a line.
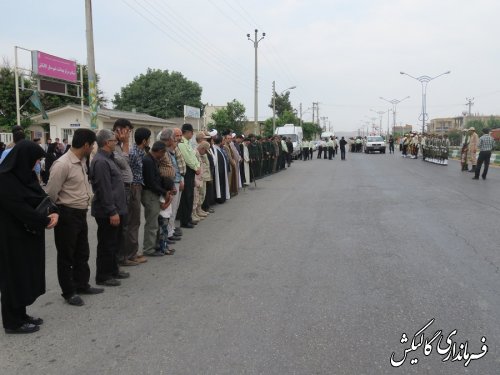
375	143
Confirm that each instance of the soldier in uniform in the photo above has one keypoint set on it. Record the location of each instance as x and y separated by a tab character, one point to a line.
252	153
305	149
446	149
320	149
329	146
473	147
260	156
464	150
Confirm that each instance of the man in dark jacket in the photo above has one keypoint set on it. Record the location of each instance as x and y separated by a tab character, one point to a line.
109	207
151	192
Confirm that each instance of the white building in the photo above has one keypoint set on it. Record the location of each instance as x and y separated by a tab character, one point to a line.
63	121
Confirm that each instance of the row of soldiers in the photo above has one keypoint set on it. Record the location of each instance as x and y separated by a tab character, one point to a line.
269	154
435	148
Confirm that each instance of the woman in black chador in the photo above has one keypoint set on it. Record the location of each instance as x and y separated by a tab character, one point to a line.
22	237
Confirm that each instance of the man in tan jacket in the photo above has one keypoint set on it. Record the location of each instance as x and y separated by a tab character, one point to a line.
473	148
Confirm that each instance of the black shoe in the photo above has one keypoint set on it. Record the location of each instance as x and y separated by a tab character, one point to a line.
90	290
32	320
475	178
121	275
75	300
174	238
109	282
483	177
25	328
188	225
177	234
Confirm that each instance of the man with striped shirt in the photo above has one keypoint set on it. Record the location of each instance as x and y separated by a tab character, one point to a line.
486	144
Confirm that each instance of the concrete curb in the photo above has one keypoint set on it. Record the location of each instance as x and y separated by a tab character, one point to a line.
455	154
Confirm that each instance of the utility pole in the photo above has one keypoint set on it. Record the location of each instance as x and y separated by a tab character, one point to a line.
317	112
91	65
256	87
274	107
300	106
314	111
470	103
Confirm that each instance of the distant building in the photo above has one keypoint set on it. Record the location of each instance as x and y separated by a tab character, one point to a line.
63	121
402	129
446	124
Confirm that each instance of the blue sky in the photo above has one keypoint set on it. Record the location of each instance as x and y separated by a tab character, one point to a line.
342	54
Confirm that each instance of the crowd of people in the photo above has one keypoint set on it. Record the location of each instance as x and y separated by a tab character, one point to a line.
182	176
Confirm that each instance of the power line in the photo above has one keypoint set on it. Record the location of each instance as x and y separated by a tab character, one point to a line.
159	27
184	38
199	39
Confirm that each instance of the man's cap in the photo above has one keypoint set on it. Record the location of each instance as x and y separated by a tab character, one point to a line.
213	132
472	128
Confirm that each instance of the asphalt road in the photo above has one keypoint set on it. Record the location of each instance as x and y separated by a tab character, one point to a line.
318	270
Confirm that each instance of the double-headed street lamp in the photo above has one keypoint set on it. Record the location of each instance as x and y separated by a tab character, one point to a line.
380	113
274	103
424	80
394	103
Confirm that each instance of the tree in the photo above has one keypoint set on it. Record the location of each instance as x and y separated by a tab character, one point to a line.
282	104
231	117
310	130
8	116
476	124
455	137
159	93
493	122
287	117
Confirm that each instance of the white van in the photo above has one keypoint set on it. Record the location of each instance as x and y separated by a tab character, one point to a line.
294	133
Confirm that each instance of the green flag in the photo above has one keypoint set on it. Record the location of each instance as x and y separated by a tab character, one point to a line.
35	100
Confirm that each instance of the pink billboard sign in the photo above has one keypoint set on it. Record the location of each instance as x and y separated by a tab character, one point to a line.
54	67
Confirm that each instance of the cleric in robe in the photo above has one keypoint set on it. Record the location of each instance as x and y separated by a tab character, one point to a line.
221	176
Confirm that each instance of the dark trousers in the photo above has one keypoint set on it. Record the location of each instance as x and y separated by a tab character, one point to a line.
391	148
209	196
325	150
342	153
108	243
305	153
484	156
72	244
187	197
12	317
320	150
330	153
123	251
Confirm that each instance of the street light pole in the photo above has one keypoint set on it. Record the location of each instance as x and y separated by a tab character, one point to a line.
274	103
424	80
394	103
256	90
380	113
